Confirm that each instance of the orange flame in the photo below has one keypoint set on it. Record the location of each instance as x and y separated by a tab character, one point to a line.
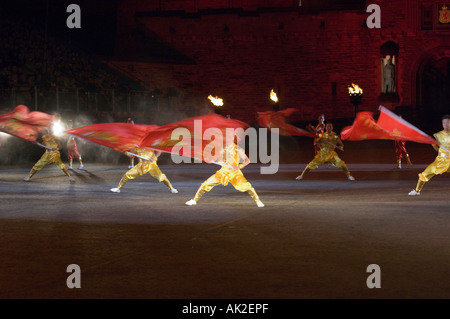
354	89
217	101
273	96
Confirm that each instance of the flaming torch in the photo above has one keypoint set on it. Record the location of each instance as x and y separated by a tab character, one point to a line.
217	102
355	93
274	98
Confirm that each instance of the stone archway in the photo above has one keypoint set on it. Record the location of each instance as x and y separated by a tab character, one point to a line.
435	82
432	83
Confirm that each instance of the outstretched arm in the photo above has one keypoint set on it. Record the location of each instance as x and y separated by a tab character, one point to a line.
339	143
243	157
436	147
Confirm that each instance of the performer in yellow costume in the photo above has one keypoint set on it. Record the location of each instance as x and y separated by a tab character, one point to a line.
230	172
144	167
327	143
51	155
442	162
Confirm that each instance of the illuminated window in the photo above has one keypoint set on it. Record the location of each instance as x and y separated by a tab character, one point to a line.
389	62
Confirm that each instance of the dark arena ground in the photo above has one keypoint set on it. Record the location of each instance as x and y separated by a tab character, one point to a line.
314	239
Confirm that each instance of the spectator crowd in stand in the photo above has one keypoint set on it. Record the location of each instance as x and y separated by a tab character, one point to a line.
34	62
30	57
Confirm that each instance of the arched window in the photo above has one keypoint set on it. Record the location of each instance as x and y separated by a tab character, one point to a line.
389	62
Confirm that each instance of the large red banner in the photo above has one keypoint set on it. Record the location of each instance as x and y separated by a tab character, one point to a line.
401	129
364	128
25	124
388	126
199	137
122	137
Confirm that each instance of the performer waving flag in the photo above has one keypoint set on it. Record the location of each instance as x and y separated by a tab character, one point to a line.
442	162
210	138
51	156
327	143
27	125
232	155
126	137
147	164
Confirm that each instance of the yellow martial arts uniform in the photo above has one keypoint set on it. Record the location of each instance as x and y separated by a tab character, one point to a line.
49	157
442	162
144	167
230	157
327	154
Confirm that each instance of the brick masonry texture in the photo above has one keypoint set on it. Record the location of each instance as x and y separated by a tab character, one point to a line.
302	56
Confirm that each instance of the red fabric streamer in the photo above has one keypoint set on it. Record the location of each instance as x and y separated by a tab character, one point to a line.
119	136
199	137
272	119
25	124
401	129
364	128
389	126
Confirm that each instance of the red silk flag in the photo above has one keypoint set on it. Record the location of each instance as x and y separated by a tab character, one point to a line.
272	119
121	137
202	137
364	128
388	126
401	129
25	124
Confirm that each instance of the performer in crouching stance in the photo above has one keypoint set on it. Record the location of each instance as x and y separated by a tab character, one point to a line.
144	166
442	162
327	143
230	172
51	155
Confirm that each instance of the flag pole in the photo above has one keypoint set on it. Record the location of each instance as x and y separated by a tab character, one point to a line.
338	147
224	165
212	162
443	148
141	157
387	111
381	107
49	148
